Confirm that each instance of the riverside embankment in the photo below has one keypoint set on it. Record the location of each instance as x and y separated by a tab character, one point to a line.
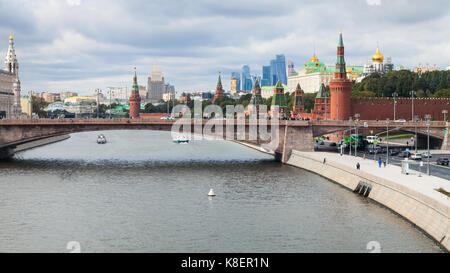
413	197
38	143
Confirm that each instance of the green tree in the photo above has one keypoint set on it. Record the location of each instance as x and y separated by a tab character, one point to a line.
38	106
443	93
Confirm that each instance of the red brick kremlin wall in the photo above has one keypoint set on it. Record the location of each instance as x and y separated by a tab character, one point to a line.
382	108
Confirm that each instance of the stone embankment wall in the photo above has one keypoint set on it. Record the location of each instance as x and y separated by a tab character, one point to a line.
426	213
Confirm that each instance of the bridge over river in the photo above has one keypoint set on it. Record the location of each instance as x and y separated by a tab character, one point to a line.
279	136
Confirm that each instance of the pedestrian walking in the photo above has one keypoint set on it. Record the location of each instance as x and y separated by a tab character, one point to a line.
358	166
379	162
324	160
384	163
364	157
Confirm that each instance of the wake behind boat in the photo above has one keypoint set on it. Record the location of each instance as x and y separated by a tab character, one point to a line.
101	139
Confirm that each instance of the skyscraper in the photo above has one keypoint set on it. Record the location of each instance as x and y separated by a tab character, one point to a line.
278	69
266	76
246	78
155	85
291	70
237	75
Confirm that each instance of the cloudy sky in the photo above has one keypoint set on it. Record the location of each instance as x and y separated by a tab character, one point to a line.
80	45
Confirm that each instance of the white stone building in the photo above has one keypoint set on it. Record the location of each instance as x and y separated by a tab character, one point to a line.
10	85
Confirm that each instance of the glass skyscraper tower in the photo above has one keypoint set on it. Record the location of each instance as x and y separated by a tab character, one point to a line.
266	76
246	78
278	70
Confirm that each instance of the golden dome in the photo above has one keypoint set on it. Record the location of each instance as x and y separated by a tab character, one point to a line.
349	70
10	37
377	57
314	59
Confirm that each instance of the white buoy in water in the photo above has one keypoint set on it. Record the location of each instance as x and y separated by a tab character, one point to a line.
211	193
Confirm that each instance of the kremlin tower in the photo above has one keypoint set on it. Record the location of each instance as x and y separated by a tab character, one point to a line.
278	108
135	99
256	100
219	90
298	102
340	87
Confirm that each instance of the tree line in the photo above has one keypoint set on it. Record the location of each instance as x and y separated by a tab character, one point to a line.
432	84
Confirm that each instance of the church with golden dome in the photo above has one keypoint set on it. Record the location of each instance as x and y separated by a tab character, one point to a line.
315	73
376	65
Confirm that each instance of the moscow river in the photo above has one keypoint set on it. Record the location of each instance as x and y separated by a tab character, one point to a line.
142	193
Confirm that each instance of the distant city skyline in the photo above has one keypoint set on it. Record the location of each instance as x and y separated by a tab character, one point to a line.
59	49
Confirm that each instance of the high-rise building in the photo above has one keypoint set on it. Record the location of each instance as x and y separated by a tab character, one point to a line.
278	69
266	78
135	99
237	75
291	70
246	78
155	85
169	92
233	85
340	87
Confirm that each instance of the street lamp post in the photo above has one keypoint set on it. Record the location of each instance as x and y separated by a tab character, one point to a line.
428	117
445	112
350	137
387	141
416	119
356	132
326	118
395	95
413	93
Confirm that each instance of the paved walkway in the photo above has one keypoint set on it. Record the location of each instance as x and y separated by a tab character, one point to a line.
425	184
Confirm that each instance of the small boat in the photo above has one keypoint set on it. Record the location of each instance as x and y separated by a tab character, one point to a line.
101	139
181	139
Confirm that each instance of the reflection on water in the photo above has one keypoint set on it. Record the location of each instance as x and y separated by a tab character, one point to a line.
142	193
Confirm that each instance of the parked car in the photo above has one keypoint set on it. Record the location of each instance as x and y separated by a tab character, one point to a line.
442	161
372	149
426	155
333	144
416	156
404	154
393	152
321	142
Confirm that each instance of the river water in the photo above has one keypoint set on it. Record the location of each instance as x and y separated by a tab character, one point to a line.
142	193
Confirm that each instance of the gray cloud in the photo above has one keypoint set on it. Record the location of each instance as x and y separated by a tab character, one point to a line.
97	43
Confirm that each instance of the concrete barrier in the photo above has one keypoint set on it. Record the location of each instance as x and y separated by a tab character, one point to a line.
429	214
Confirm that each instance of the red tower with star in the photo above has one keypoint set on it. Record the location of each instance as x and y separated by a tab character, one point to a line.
219	90
340	87
135	99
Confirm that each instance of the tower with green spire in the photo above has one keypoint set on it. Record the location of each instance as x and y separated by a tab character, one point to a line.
298	100
135	99
278	101
340	87
322	104
256	100
219	90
